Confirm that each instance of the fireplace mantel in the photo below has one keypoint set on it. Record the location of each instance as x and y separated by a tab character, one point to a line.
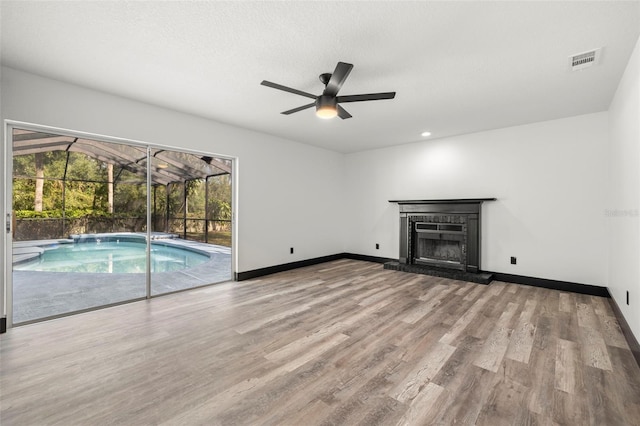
441	201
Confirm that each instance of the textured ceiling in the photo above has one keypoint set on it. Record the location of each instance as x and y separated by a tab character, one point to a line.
457	67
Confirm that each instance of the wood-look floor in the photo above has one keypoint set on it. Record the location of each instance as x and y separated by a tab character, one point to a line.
344	342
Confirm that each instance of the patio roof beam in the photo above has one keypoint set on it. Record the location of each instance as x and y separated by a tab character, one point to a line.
105	147
36	136
219	164
42	147
190	171
29	142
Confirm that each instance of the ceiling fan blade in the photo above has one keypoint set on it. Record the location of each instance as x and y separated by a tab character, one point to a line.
338	77
291	111
342	113
367	97
287	89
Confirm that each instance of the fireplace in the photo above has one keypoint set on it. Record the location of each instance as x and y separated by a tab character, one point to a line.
439	240
442	234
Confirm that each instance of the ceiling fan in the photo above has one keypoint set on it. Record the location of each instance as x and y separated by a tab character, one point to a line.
327	104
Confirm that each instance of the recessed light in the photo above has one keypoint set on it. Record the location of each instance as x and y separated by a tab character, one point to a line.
426	134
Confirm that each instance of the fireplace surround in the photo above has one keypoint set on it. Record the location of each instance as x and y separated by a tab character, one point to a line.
439	236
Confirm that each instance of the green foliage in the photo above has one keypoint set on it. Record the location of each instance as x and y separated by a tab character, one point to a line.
220	197
29	214
69	214
85	191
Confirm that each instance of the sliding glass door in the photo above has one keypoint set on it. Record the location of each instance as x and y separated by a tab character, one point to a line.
97	222
79	224
191	220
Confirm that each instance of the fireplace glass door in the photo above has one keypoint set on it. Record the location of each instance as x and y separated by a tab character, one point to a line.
439	244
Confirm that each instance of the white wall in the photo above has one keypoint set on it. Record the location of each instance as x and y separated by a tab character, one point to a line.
549	179
624	193
289	192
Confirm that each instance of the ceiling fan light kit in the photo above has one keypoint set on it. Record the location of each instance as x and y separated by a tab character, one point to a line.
327	103
326	107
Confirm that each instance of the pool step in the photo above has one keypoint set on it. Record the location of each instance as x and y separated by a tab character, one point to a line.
24	251
25	254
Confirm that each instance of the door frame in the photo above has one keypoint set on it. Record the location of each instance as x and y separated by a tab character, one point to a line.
6	203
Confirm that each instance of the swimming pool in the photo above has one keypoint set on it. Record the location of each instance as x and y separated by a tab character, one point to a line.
113	257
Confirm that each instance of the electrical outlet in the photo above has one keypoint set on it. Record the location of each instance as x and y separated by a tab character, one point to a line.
291	250
513	260
377	246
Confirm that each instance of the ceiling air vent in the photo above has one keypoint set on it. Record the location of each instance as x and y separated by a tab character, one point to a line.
584	60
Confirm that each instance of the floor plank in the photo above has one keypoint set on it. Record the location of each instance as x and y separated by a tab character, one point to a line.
344	342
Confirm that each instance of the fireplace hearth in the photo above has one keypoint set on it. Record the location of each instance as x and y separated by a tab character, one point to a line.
441	237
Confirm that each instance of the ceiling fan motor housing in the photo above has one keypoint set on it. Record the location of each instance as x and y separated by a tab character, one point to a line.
326	101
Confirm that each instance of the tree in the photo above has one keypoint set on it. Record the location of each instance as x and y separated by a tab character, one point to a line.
39	162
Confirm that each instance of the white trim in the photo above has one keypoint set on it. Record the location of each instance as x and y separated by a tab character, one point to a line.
147	278
235	173
6	287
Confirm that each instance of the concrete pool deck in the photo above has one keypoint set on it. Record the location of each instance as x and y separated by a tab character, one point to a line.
45	294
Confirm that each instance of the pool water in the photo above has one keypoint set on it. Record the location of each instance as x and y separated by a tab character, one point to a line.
113	257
